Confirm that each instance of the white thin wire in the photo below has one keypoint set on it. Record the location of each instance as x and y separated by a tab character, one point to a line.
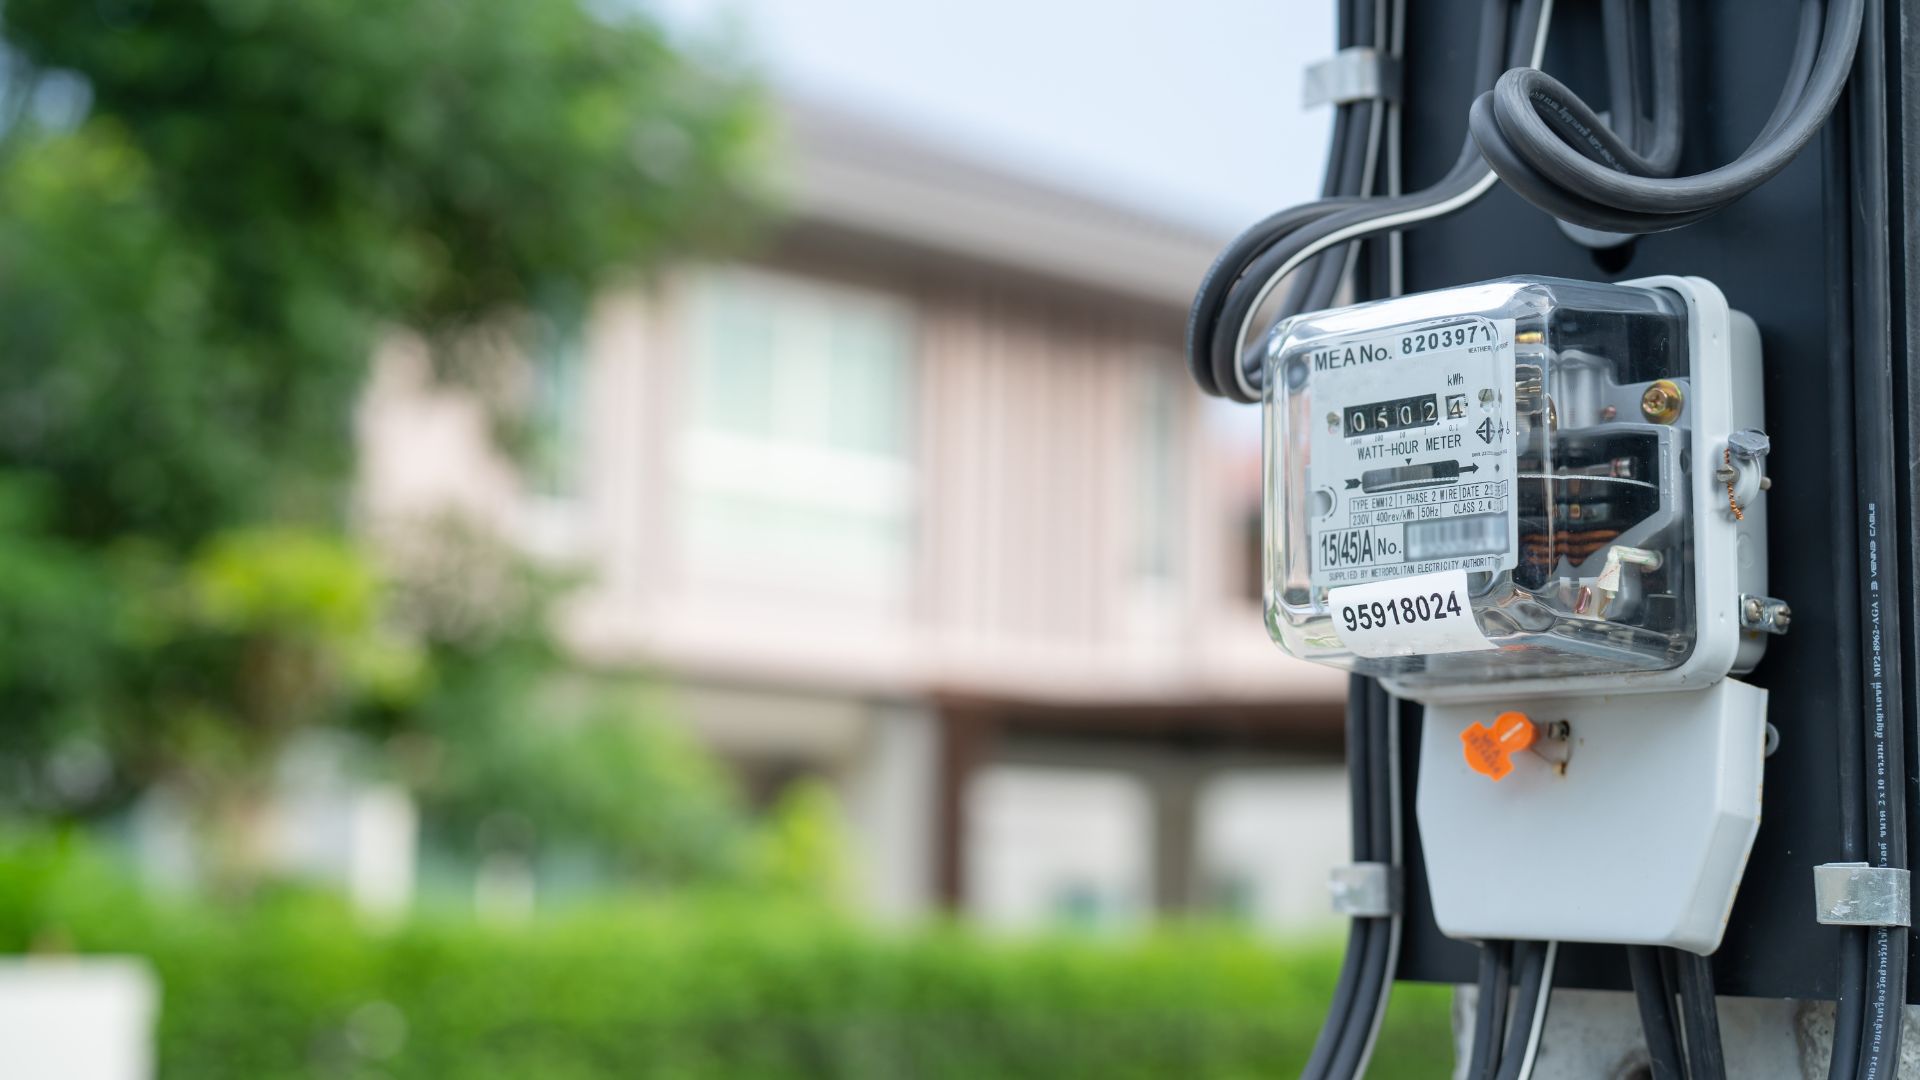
1405	217
1539	1012
1396	248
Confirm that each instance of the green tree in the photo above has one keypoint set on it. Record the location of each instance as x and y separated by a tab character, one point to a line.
210	211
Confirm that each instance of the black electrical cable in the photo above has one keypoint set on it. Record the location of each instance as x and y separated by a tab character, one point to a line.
1700	1016
1490	1009
1357	131
1345	1038
1547	145
1534	962
1360	936
1877	481
1626	70
1849	739
1242	276
1352	157
1374	28
1360	995
1377	961
1655	1000
1556	152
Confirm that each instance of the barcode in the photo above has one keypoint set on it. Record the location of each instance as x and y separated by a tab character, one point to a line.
1480	534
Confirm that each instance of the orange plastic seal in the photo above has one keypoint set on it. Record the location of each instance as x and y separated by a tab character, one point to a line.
1490	750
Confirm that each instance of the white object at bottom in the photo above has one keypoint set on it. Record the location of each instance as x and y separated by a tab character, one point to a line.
1641	839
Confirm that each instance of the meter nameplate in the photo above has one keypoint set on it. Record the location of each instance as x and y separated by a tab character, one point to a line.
1412	451
1407	616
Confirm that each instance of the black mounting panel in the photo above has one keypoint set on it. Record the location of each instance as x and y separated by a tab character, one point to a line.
1781	255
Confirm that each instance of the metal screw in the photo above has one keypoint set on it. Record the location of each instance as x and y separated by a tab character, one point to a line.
1661	403
1609	413
1765	613
1749	444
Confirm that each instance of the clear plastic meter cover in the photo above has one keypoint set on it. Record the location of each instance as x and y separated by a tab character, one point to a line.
1482	483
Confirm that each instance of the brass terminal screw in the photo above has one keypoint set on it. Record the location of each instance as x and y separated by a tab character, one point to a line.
1662	402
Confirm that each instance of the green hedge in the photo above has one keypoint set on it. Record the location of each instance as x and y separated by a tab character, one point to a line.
299	988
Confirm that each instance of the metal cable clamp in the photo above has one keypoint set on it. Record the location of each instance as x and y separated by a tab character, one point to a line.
1368	890
1856	894
1361	73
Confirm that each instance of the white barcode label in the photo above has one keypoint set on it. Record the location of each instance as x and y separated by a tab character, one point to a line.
1450	538
1409	616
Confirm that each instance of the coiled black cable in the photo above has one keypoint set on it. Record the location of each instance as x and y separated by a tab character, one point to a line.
1255	262
1550	147
1555	151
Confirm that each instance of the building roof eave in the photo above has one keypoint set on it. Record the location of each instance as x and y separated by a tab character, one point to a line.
852	174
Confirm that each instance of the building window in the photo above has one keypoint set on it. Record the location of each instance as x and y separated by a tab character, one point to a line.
555	430
1266	840
1159	462
796	467
1233	435
1054	847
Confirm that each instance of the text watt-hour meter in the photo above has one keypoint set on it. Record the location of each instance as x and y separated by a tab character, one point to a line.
1538	506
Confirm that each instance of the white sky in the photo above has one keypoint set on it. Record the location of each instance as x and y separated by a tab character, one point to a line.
1189	109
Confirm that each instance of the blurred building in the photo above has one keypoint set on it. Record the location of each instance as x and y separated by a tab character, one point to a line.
920	500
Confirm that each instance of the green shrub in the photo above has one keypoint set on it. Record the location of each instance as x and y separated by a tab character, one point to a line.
727	987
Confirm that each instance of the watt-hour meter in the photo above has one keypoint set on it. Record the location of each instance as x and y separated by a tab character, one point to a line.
1538	506
1519	486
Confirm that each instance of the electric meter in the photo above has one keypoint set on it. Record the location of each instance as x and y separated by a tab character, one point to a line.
1524	486
1538	506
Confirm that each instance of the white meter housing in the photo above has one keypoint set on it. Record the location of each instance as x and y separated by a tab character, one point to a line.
1538	506
1527	486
